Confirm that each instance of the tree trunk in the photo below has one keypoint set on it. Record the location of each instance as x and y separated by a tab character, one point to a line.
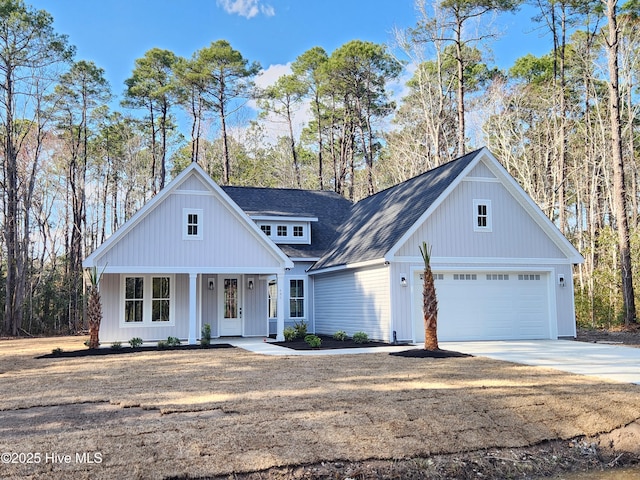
460	89
620	200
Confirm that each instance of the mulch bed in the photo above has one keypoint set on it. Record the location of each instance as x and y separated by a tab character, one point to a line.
86	352
422	353
330	343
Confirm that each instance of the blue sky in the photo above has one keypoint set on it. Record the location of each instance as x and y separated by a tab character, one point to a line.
113	33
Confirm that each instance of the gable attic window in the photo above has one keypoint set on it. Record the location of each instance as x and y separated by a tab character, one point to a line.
298	231
192	224
282	231
482	215
266	229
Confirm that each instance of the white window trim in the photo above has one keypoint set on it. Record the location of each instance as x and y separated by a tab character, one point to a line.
185	217
305	282
289	238
489	226
147	301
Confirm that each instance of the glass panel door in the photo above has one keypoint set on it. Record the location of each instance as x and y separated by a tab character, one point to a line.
230	298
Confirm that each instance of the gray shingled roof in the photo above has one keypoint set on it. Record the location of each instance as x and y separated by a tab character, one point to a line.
377	223
330	208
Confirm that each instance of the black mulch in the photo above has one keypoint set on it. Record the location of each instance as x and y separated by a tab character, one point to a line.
330	343
422	353
86	352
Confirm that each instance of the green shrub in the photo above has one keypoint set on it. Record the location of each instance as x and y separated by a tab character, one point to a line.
290	334
173	341
313	340
300	328
135	342
162	344
340	335
116	346
57	351
360	337
205	338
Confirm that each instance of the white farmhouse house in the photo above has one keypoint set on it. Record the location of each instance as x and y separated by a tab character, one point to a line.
248	261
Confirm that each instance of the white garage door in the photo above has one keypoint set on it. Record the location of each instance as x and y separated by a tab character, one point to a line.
487	306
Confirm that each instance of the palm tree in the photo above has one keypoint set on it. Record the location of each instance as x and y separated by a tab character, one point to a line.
429	302
94	307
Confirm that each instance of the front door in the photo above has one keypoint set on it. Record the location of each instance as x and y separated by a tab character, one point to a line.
231	305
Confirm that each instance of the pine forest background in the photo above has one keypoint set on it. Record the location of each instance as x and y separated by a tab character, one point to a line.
81	156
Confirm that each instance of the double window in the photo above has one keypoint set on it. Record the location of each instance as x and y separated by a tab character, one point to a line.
148	299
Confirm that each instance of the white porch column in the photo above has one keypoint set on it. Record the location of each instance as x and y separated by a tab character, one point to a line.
193	331
280	309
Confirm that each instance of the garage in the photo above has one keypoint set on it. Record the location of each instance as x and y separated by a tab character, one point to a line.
480	305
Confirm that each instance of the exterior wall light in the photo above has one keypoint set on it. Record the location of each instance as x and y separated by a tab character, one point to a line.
250	284
403	280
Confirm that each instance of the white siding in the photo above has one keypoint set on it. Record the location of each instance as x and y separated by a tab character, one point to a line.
481	171
157	240
450	228
353	300
209	304
255	312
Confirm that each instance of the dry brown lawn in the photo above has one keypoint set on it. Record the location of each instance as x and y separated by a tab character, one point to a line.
218	411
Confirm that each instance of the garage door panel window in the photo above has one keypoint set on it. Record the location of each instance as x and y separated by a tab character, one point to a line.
465	276
497	276
529	276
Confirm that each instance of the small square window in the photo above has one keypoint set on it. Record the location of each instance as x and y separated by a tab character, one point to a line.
282	231
297	231
266	229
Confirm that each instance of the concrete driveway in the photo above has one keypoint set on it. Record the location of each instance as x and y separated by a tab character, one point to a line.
611	362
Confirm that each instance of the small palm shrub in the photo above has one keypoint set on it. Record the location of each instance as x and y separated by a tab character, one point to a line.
300	328
116	346
340	335
135	342
360	337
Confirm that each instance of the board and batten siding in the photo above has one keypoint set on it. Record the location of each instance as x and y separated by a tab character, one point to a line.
255	312
111	329
450	228
157	239
353	301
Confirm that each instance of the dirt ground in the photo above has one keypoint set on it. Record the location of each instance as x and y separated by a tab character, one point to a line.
619	336
228	413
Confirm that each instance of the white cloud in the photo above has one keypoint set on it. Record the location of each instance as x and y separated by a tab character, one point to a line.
246	8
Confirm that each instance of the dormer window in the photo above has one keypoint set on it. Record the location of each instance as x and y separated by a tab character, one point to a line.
286	230
482	215
192	224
